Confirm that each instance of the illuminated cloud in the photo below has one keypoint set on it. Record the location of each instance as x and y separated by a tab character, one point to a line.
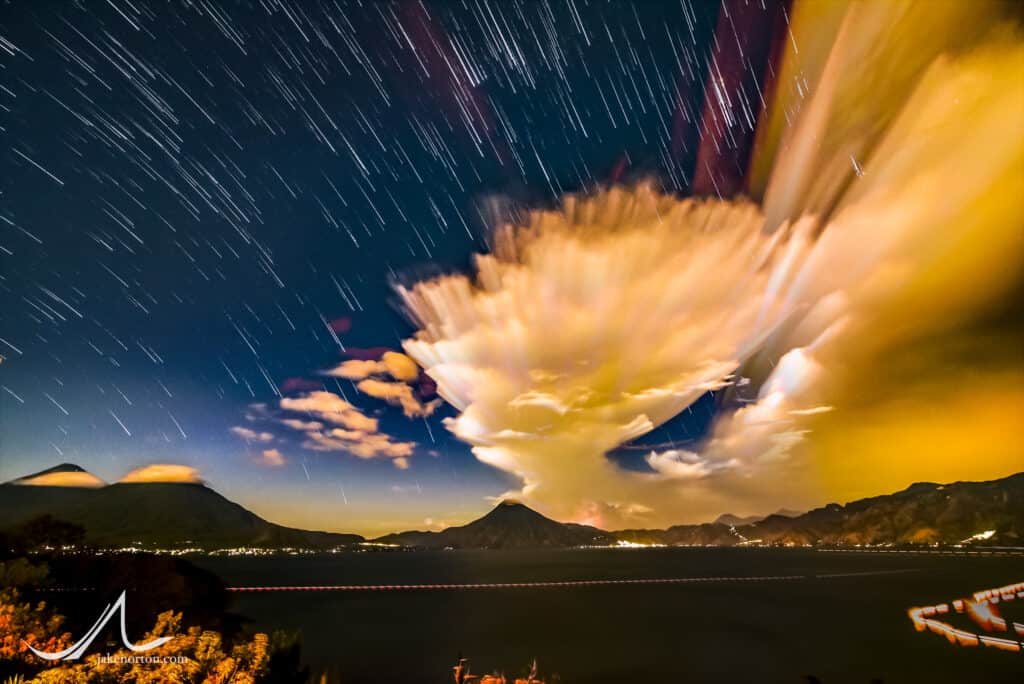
400	366
251	435
355	369
676	464
375	380
164	472
331	408
272	457
654	300
361	444
63	479
355	433
397	394
302	425
397	365
591	324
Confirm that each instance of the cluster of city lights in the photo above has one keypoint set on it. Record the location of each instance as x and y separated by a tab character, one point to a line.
199	550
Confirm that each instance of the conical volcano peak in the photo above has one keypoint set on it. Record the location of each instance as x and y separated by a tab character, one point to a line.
63	475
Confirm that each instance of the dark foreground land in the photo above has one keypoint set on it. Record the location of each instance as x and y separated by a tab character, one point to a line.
842	620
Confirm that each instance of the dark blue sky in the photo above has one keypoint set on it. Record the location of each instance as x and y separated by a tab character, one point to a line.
193	192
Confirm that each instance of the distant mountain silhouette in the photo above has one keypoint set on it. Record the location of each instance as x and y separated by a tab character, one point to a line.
740	520
61	468
165	514
736	521
510	525
153	513
924	513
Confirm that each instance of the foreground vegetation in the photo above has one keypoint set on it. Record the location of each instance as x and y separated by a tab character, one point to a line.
192	655
208	644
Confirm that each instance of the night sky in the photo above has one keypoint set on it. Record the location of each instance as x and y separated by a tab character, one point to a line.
204	204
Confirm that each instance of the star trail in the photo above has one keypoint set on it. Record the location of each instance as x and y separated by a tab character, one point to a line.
371	266
204	204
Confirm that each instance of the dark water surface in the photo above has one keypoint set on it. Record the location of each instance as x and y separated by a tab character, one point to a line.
851	628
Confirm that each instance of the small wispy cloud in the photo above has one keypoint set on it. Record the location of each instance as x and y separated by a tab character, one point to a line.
272	458
251	435
398	394
331	408
397	365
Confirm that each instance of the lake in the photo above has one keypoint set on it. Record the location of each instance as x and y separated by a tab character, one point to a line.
841	616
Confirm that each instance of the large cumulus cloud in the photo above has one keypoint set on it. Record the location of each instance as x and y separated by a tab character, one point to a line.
891	201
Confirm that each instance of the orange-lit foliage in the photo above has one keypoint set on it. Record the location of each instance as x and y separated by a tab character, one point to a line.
193	656
35	623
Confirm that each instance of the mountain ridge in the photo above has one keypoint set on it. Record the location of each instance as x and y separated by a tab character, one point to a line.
178	513
923	513
508	525
155	513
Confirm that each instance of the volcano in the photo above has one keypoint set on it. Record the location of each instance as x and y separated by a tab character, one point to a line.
160	514
975	513
63	475
510	525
